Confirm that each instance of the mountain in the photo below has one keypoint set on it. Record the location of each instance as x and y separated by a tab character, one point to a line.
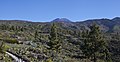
106	25
116	19
64	20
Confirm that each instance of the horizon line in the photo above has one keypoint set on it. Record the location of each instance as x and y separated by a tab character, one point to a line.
60	18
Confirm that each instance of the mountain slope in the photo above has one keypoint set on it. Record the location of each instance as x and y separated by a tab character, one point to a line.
107	25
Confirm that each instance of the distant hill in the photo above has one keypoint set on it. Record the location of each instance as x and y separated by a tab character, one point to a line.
107	25
61	20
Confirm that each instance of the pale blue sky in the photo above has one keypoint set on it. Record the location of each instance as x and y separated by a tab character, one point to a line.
47	10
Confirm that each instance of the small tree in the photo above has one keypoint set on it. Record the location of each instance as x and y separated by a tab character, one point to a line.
54	41
36	35
94	46
1	47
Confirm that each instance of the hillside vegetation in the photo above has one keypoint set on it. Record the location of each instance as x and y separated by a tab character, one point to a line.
61	40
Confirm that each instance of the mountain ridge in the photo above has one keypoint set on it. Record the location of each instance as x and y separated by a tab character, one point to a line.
107	25
65	20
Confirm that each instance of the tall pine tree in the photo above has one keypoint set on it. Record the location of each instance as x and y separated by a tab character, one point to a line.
54	40
94	46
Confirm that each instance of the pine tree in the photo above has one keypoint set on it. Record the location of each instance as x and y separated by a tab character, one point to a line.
54	41
94	46
1	47
36	35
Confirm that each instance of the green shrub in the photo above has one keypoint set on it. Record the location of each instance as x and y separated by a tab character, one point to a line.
11	41
49	60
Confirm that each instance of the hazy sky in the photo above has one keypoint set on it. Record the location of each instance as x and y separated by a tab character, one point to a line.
47	10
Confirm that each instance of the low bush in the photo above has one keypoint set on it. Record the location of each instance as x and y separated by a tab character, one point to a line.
11	41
